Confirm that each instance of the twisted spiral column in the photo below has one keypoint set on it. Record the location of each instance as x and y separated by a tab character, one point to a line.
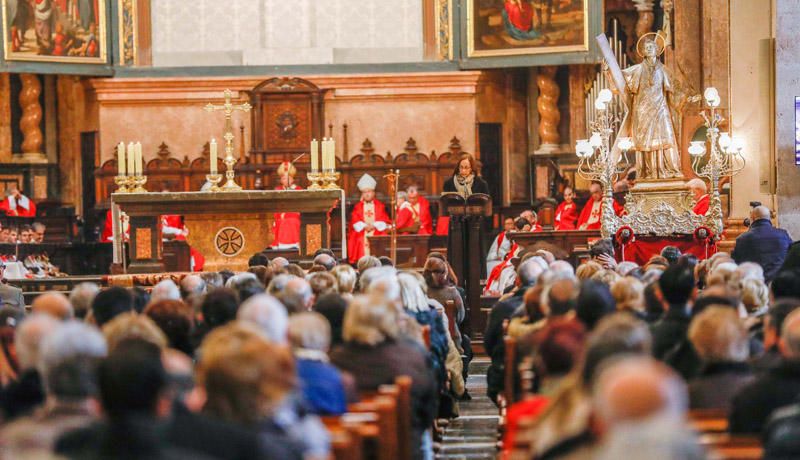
30	123
547	105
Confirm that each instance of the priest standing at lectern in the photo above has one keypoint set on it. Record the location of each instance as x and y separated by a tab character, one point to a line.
368	218
592	215
286	226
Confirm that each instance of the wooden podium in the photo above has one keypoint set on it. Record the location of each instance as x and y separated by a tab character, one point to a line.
465	240
226	227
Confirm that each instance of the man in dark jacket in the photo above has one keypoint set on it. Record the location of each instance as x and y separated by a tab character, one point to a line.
527	273
779	387
678	289
763	243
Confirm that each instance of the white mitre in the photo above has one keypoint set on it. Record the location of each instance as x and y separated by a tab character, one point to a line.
366	182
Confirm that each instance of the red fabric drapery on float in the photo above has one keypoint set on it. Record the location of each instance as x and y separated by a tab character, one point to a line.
645	247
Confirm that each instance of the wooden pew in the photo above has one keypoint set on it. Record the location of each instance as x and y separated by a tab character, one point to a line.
725	446
385	444
709	420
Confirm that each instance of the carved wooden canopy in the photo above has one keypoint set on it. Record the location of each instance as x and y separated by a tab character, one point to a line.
287	113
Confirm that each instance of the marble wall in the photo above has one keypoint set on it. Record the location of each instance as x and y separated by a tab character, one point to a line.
283	32
787	87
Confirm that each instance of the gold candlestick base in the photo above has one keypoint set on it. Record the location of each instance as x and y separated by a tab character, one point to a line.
230	183
214	180
315	179
122	184
137	184
329	180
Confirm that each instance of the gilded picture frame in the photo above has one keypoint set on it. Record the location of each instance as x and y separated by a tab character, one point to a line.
55	31
492	27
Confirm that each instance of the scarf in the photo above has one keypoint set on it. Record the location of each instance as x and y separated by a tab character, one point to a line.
464	184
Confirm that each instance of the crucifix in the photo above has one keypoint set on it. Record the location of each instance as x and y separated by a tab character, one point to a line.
228	108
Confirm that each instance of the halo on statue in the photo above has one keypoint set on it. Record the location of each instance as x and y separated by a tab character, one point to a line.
659	40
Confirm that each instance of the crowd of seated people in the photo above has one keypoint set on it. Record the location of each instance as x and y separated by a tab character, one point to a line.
614	356
25	234
228	365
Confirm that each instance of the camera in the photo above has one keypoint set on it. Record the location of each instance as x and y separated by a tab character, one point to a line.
754	204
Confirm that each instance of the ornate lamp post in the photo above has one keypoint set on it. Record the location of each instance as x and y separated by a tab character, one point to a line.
724	158
599	161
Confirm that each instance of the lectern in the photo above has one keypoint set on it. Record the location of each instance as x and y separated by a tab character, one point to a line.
465	239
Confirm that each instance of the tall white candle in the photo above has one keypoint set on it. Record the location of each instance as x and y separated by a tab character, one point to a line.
139	164
131	159
332	154
326	154
213	158
121	159
314	152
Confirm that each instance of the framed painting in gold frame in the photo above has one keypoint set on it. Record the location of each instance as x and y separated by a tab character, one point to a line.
55	31
511	33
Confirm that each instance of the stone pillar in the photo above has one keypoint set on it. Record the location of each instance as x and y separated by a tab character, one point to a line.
31	121
786	23
549	116
646	17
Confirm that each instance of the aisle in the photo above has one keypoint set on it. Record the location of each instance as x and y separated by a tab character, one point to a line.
473	434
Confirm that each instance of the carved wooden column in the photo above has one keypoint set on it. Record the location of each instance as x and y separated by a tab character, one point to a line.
5	118
547	104
646	17
31	121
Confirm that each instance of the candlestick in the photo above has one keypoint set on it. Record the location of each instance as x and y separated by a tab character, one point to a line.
131	159
213	158
331	154
326	154
139	164
121	159
314	152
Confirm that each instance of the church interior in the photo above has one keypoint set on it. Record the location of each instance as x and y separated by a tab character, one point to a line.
451	229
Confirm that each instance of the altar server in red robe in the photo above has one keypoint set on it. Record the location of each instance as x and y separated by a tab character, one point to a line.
286	227
422	210
567	211
591	215
700	193
500	246
17	204
368	218
404	218
107	236
172	227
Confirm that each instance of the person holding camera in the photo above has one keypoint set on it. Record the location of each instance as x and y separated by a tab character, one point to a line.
762	243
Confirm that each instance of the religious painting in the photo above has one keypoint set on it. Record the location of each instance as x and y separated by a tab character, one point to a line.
525	27
59	31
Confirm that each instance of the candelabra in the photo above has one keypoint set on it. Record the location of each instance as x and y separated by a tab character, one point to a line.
599	161
723	158
130	178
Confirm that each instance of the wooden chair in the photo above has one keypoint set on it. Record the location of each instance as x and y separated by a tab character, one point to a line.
709	420
401	392
346	439
385	444
733	447
450	310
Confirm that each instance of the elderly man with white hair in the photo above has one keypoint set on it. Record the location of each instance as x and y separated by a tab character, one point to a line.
81	298
68	361
381	281
762	243
296	295
22	396
165	290
641	406
266	313
700	194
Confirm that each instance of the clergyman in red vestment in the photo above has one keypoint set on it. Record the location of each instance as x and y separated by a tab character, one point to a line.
286	226
567	211
700	193
368	218
17	204
592	213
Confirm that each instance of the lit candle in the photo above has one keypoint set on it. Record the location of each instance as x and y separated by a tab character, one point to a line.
139	159
213	159
131	159
314	152
121	159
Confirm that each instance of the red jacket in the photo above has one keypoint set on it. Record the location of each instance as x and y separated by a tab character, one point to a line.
701	207
588	220
566	216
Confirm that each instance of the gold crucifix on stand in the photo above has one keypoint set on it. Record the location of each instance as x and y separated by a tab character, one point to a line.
228	108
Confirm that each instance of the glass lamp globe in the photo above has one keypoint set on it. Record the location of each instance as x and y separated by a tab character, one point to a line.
582	148
599	105
725	141
605	95
596	141
711	95
625	143
737	144
697	148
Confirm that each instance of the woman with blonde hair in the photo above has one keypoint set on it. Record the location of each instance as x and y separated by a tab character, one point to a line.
586	270
628	292
346	278
375	354
755	295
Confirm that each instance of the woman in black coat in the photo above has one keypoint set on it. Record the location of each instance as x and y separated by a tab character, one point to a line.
465	180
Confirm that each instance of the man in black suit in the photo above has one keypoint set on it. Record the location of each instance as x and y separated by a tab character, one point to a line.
678	289
763	243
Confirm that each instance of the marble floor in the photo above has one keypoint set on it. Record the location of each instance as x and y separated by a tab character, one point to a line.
473	434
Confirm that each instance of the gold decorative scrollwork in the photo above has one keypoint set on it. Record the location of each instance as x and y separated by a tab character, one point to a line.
660	217
127	32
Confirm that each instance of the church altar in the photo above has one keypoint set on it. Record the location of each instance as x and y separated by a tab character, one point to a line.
225	227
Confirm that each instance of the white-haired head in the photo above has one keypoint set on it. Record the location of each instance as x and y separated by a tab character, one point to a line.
239	279
381	281
29	336
68	358
268	314
165	290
